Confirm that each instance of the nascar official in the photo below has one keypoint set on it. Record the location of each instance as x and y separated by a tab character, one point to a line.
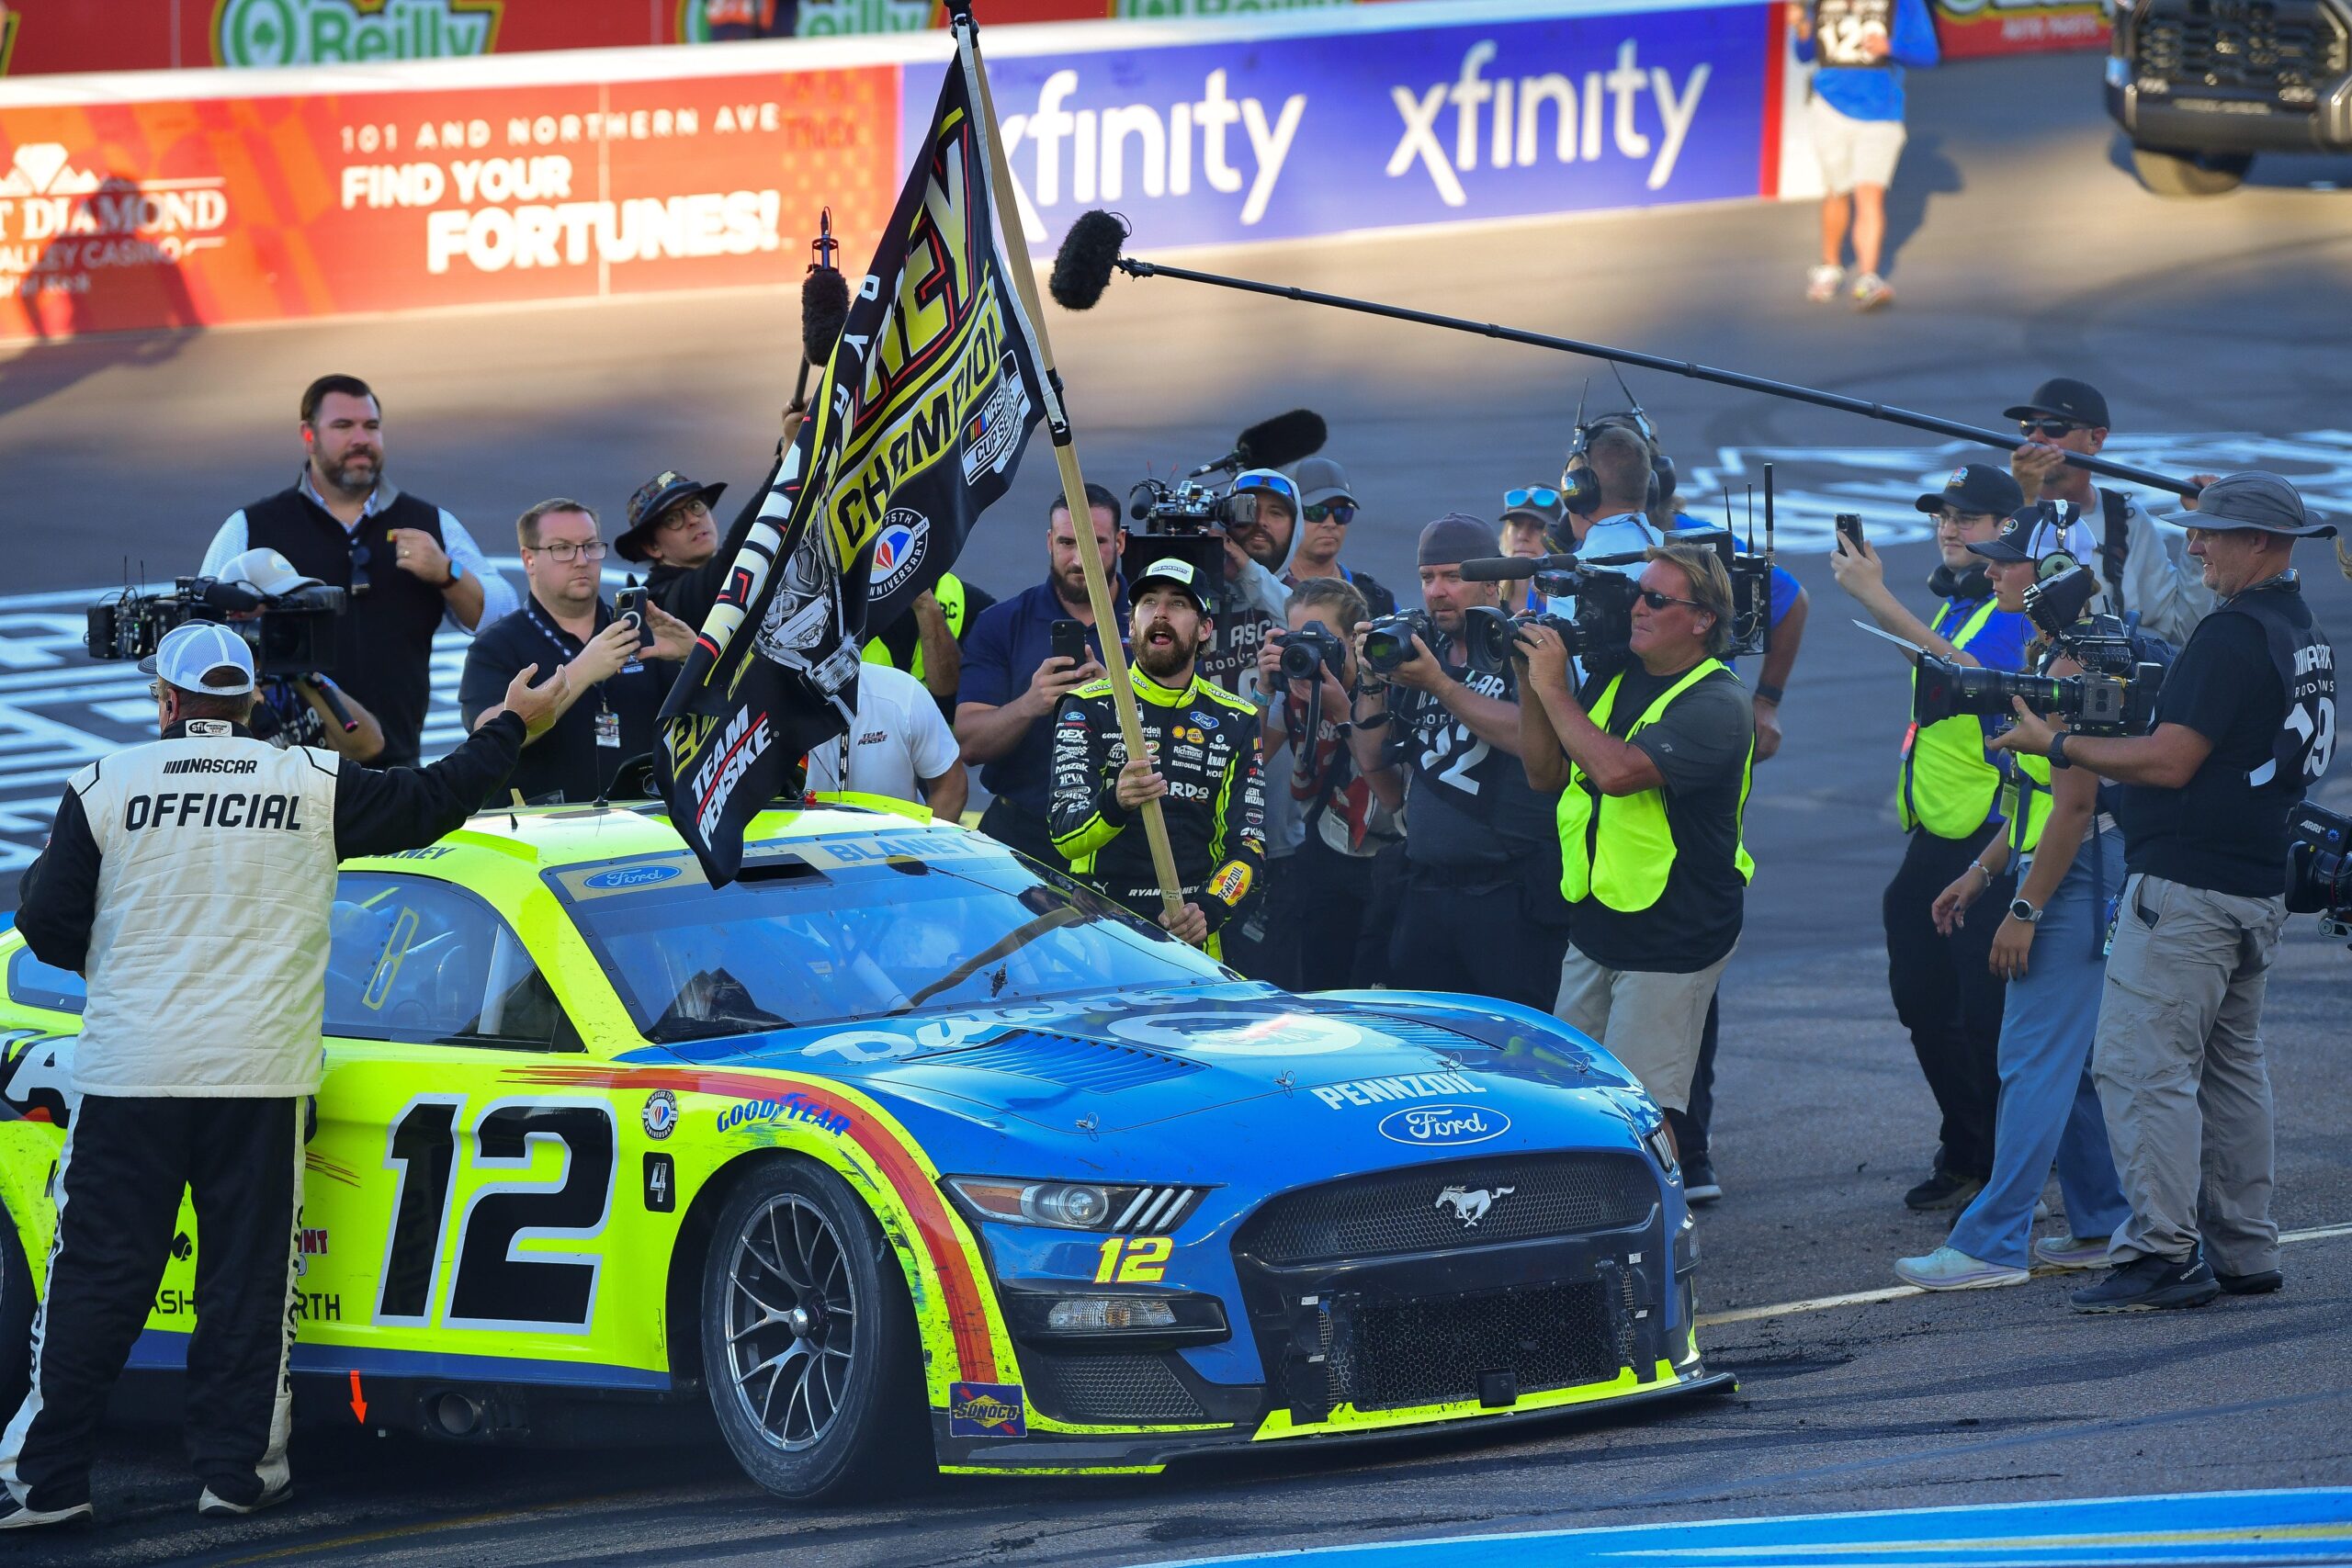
189	881
1205	770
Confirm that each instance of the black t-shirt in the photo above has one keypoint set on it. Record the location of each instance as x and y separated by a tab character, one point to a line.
571	762
2220	831
1700	746
1468	808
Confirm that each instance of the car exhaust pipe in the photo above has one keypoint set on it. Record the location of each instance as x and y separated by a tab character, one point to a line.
455	1414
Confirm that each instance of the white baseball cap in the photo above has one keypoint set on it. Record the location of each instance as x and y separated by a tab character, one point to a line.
267	572
192	650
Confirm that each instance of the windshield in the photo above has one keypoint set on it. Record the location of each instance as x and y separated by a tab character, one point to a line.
821	932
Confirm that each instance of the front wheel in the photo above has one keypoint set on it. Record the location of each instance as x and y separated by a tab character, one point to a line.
2189	173
808	1340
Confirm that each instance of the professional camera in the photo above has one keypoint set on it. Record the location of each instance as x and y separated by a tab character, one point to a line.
2091	704
291	634
1597	632
2319	867
1311	648
1185	520
1388	641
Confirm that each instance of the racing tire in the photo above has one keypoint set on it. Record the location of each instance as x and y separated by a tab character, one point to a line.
809	1342
17	1309
2189	173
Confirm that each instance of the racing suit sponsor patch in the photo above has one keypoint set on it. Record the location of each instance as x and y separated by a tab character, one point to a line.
1231	883
986	1410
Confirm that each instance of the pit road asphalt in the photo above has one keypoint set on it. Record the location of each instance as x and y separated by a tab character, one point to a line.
2024	253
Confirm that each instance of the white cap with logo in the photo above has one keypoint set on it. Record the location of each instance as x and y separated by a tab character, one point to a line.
192	650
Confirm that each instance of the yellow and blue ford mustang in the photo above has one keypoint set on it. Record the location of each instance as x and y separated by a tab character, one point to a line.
899	1152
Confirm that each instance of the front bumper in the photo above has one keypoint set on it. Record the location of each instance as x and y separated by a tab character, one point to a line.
2225	76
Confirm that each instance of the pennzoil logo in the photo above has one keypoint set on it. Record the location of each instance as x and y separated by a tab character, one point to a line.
324	32
986	1410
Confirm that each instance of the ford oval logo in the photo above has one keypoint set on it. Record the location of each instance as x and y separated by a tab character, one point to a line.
632	876
1443	1126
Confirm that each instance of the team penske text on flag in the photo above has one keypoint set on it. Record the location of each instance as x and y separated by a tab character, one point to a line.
917	424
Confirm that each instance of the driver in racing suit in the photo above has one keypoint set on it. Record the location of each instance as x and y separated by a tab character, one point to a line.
1204	769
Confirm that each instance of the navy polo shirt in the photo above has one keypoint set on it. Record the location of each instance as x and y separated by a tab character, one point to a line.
1001	652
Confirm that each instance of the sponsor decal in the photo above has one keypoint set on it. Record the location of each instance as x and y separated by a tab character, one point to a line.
210	766
37	1077
1443	1126
792	1107
661	1184
1407	1086
1205	720
183	1248
632	876
992	436
431	851
1245	1035
899	548
731	755
661	1114
318	1306
311	1242
986	1410
1230	884
1472	1204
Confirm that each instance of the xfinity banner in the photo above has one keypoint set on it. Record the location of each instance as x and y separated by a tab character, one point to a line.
1283	136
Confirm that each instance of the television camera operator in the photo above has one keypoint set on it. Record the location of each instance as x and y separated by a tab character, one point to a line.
1651	766
2242	727
306	709
1438	741
189	881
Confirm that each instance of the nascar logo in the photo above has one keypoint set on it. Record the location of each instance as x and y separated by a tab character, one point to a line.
994	434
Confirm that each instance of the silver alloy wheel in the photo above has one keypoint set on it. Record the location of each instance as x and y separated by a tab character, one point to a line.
791	1322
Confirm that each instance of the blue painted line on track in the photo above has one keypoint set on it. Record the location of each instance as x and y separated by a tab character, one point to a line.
2309	1526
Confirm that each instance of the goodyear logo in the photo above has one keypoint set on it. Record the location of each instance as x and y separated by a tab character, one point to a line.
986	1410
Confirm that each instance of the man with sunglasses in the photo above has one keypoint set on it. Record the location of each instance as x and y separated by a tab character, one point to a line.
1946	797
408	566
2101	528
1327	507
611	684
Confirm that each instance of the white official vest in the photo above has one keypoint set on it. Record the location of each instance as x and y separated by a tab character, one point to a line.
209	951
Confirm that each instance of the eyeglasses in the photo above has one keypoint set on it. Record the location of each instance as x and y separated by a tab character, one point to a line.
1341	512
1538	495
682	516
1658	601
2049	426
565	550
155	690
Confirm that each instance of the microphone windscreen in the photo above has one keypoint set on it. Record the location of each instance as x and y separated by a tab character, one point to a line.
1499	569
1279	442
1090	251
824	306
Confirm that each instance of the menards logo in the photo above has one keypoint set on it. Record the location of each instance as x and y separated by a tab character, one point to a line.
318	32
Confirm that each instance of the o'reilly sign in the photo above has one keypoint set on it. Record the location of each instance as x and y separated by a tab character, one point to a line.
334	32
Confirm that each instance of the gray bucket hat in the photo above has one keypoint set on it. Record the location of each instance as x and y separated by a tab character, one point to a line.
2252	500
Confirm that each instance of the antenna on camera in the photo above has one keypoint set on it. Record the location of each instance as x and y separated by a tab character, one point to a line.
1768	514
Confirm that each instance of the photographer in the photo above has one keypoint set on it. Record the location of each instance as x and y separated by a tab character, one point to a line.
1480	911
1652	764
1947	798
1014	682
2051	950
407	565
610	683
294	710
1327	894
189	881
2243	727
1203	768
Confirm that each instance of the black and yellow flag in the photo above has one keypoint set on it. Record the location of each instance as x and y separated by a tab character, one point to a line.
917	424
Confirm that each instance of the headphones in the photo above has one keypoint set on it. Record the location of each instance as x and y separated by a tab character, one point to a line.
1579	488
1970	582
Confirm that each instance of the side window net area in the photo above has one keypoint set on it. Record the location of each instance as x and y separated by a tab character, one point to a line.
425	962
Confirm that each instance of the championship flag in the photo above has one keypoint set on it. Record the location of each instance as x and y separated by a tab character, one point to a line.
918	423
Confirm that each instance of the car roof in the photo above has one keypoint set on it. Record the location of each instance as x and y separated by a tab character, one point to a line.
555	836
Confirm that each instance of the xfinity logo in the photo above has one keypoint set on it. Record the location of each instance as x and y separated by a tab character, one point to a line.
1502	124
1137	148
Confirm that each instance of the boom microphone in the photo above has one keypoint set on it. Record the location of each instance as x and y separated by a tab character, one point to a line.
1275	442
1082	269
824	306
1509	569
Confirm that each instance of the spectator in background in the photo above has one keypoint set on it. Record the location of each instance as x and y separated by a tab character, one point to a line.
610	687
1326	505
1014	685
1855	113
1246	605
1532	518
407	565
671	530
899	747
733	21
927	642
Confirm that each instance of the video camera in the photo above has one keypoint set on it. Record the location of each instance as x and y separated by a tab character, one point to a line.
2319	867
291	634
1184	519
1601	626
2116	693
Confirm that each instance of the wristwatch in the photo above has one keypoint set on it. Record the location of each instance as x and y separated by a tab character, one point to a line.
2021	910
2058	751
455	571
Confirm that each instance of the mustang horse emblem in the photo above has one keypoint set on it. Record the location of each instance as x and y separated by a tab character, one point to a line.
1471	1205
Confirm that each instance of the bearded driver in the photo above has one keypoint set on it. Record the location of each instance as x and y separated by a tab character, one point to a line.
1204	768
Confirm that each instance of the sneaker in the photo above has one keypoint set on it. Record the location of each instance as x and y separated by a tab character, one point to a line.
2071	1251
1942	1190
1699	1183
212	1506
2261	1282
2149	1284
1870	291
16	1516
1948	1268
1822	283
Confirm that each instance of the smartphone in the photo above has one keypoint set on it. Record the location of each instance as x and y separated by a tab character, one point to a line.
1850	525
1070	642
631	602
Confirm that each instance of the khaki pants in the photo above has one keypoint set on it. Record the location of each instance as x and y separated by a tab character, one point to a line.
1650	1022
2181	1078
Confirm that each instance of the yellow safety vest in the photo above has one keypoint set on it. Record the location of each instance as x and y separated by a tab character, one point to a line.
1623	858
949	592
2026	801
1946	784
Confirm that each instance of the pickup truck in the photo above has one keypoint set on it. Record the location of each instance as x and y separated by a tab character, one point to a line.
2203	86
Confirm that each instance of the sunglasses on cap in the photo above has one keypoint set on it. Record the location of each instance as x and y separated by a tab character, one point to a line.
2049	426
1536	495
1267	482
1341	512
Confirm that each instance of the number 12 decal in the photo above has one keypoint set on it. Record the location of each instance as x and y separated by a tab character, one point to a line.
493	1285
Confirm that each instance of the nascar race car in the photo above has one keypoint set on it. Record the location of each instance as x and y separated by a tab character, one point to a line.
900	1151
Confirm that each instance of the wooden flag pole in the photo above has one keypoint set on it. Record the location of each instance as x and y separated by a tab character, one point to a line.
1098	590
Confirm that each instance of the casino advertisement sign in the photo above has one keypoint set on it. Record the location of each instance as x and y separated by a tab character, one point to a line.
118	217
1972	29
